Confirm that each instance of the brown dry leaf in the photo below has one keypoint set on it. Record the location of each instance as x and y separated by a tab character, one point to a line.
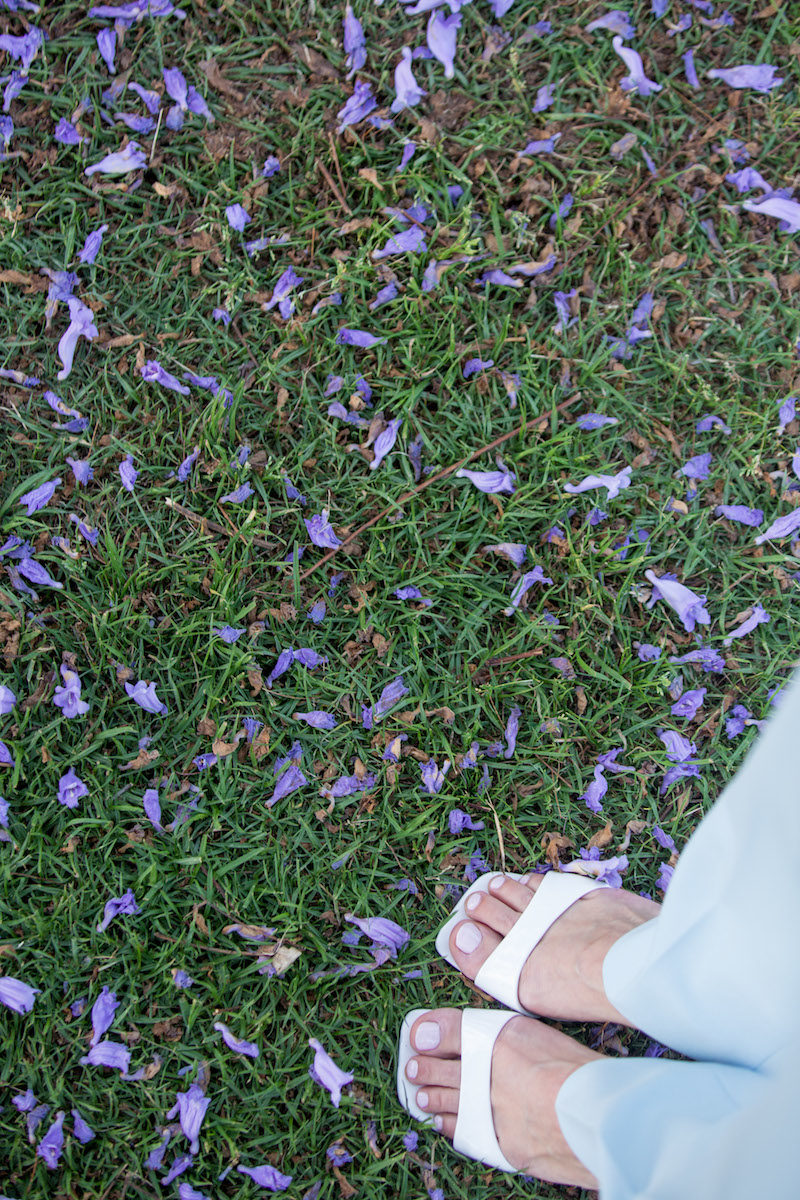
206	727
315	61
152	1069
283	958
602	837
430	843
581	703
124	673
223	749
371	176
166	190
256	932
218	81
43	687
553	842
71	845
286	612
45	755
446	714
380	644
170	1030
633	827
142	760
354	225
199	919
261	743
672	261
409	716
345	1188
31	283
255	679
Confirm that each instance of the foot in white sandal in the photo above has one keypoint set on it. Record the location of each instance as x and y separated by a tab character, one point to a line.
497	1104
552	962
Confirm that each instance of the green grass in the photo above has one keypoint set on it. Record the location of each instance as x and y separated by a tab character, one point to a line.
147	597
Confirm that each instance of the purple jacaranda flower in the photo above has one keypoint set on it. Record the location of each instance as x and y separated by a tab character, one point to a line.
291	779
740	513
181	979
325	1072
144	694
6	757
636	82
34	1120
381	932
103	1011
238	495
137	10
783	527
152	807
540	146
490	481
239	1045
433	776
81	470
561	300
409	149
663	839
7	700
687	604
407	241
156	1156
408	91
25	1102
596	516
473	365
181	1164
228	633
92	245
385	296
523	586
271	166
593	420
544	98
186	97
124	905
609	761
684	23
191	1105
18	996
786	411
151	99
120	162
317	719
270	1177
22	49
441	38
383	444
458	820
153	372
185	468
784	210
761	78
292	493
685	770
128	473
563	666
612	483
689	703
515	552
66	133
707	657
204	761
747	179
758	616
357	337
615	21
108	1054
512	729
136	122
698	467
320	531
91	535
665	873
679	749
737	720
107	44
347	785
358	106
562	211
595	791
411	592
280	293
498	277
35	572
39	497
67	697
338	1155
355	46
51	1145
710	421
317	612
285	660
71	789
251	726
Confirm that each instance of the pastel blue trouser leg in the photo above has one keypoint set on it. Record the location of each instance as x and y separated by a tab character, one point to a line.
715	976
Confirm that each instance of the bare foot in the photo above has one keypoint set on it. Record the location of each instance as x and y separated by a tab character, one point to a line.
563	976
529	1064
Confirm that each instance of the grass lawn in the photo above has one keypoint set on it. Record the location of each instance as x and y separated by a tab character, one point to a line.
174	561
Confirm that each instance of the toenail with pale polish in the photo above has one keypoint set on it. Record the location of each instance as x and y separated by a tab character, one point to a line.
473	903
496	883
412	1070
438	1124
427	1036
468	938
422	1099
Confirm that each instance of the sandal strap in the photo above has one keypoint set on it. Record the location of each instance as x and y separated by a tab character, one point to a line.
474	1134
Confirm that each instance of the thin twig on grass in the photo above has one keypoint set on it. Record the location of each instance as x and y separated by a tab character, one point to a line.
206	526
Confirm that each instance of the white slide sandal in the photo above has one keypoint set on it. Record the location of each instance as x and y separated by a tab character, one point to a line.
499	975
474	1135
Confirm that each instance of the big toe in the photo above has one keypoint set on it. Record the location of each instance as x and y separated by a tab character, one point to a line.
471	943
438	1032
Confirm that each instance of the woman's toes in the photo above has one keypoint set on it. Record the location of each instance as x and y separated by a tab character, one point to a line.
492	911
445	1123
437	1072
438	1100
512	892
438	1032
471	944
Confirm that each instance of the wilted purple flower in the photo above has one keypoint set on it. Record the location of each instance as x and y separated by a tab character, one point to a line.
540	146
71	789
593	420
338	1155
120	162
6	758
268	1176
786	412
128	473
512	729
81	469
181	979
239	1045
7	700
91	535
736	722
285	660
317	719
740	513
473	365
408	90
407	241
697	467
153	372
66	133
181	1164
689	703
710	421
185	468
108	1054
152	807
357	337
433	776
783	527
80	1130
381	931
687	604
385	296
39	497
544	98
609	761
523	586
383	444
271	166
280	293
358	106
496	276
409	149
636	82
458	820
204	761
595	791
291	779
320	531
124	905
679	749
68	696
709	659
761	78
144	694
441	38
18	996
325	1072
490	481
107	44
784	210
51	1145
614	484
191	1105
92	244
103	1011
616	21
758	616
684	770
562	211
355	46
747	179
515	552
